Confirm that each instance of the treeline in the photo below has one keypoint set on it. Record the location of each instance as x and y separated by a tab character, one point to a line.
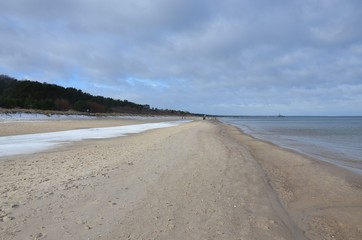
43	96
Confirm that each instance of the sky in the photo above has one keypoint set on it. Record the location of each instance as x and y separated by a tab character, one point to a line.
230	57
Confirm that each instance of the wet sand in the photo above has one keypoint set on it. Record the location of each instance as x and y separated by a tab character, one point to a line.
199	180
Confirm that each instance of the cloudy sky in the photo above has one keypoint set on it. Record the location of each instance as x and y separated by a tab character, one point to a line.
239	57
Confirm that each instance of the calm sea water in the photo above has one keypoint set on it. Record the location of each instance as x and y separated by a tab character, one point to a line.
337	140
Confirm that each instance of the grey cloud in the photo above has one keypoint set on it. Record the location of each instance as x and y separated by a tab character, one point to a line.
228	56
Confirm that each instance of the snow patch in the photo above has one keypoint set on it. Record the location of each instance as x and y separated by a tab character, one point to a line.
12	117
32	143
24	117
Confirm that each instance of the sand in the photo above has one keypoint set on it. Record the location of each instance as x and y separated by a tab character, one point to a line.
41	126
199	180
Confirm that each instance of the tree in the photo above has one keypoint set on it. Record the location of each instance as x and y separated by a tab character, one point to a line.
81	106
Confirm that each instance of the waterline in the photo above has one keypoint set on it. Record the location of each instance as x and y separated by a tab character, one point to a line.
335	140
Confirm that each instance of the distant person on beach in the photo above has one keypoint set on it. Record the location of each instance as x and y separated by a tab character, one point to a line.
204	117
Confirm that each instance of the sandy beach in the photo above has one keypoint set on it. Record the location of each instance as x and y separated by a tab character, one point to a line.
199	180
10	128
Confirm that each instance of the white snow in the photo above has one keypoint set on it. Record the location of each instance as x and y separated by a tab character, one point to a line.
12	117
32	143
23	117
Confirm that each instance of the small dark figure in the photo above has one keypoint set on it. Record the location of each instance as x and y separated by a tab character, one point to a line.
204	117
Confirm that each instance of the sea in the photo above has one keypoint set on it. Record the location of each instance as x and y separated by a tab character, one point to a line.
337	140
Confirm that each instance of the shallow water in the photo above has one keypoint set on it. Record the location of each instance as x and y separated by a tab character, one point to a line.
337	140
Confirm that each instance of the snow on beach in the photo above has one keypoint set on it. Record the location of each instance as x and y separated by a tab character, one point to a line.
19	117
32	143
10	117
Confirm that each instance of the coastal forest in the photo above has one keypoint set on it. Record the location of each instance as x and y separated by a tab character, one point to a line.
27	94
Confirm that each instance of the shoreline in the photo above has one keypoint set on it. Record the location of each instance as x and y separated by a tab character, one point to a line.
323	157
343	171
199	180
313	192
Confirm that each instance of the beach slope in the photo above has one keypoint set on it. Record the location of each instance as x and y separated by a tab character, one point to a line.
199	180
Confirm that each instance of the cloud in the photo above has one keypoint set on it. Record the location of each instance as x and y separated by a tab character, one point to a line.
222	57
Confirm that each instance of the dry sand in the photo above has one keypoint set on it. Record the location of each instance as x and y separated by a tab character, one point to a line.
41	126
200	180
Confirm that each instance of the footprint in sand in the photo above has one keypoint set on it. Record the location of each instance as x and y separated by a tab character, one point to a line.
38	236
7	218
